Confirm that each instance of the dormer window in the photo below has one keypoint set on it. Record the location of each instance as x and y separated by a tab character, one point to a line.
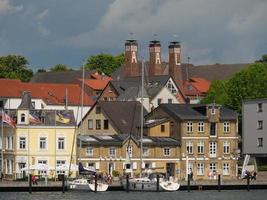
213	111
22	118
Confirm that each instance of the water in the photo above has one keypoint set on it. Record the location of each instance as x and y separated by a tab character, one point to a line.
121	195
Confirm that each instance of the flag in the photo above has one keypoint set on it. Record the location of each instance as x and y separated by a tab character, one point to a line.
33	119
62	118
8	120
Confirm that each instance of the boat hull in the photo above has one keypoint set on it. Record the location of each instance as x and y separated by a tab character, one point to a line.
169	186
101	187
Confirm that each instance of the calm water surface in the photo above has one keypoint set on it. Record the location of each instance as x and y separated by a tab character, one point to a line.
114	195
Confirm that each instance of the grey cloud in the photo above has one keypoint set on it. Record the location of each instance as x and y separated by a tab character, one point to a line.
6	7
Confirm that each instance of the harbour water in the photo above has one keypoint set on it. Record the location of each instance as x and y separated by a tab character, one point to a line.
121	195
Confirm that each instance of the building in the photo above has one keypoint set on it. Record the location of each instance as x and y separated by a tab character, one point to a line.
47	96
208	137
40	137
182	73
254	119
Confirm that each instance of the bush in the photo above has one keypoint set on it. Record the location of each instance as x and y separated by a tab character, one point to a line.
262	168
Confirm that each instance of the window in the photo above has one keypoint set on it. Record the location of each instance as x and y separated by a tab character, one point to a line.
200	127
200	169
189	147
89	151
159	101
226	127
213	167
105	124
259	107
260	142
90	124
169	100
200	147
162	128
42	143
61	143
213	149
9	166
212	129
22	118
112	151
145	151
171	87
166	151
129	150
260	124
42	172
226	147
97	110
9	142
226	168
22	142
213	111
98	124
33	104
59	163
189	127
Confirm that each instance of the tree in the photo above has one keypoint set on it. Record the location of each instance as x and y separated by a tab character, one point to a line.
104	63
15	67
59	68
263	59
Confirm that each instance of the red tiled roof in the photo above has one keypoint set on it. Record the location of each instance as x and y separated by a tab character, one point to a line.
98	76
200	84
50	93
95	84
189	89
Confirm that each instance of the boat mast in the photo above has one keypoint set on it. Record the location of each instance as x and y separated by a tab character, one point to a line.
142	119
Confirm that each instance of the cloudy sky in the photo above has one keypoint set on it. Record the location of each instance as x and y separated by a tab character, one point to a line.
48	32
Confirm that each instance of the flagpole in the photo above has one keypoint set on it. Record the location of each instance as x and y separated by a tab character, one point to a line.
2	150
55	146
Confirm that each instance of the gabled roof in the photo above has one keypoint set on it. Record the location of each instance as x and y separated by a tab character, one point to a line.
95	84
124	115
200	84
53	94
60	77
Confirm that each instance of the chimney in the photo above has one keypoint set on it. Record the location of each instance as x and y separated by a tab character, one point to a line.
155	58
175	69
131	62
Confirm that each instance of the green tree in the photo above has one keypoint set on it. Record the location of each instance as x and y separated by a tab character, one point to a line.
59	68
217	93
15	67
104	63
263	59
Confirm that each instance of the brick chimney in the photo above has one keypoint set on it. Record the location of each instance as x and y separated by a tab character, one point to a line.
155	58
131	62
175	69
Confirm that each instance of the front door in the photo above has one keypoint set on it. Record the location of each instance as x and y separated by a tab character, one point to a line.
111	168
170	169
21	174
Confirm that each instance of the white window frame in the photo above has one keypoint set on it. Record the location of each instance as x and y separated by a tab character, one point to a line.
226	168
226	127
42	172
61	143
112	151
167	151
200	169
260	124
90	151
189	147
22	144
200	147
90	124
260	142
43	142
189	127
201	127
213	167
226	147
129	150
59	163
212	149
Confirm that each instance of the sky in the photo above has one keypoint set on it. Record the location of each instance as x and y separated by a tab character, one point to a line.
50	32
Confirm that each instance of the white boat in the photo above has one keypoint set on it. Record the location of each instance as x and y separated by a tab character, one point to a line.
85	184
101	187
169	186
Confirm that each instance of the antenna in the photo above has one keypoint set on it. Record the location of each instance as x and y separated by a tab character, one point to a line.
131	35
155	36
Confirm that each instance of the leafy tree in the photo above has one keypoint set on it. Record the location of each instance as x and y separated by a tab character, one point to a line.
263	59
15	67
104	63
59	68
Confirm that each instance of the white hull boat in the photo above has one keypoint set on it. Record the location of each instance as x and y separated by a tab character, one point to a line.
169	186
84	184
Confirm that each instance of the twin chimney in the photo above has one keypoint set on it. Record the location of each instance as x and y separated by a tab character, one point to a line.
131	62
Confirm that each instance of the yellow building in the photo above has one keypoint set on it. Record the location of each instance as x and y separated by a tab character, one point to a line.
40	137
208	136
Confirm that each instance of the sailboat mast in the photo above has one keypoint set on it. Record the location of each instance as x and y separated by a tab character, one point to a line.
142	119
